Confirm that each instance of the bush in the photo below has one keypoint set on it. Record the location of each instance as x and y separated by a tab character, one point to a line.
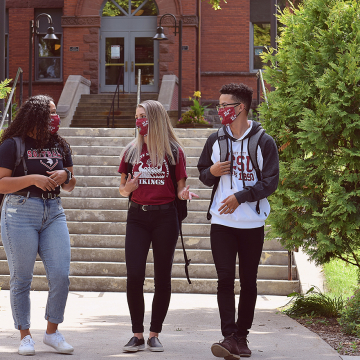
314	116
350	315
314	303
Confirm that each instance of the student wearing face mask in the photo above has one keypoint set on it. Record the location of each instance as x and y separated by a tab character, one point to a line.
238	210
32	218
152	216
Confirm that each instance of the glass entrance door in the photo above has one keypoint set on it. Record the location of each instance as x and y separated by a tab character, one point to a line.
122	54
143	54
114	63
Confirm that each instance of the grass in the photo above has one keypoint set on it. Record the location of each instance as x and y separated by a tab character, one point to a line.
341	278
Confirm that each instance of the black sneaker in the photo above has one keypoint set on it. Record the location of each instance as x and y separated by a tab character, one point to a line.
227	348
154	344
244	350
134	344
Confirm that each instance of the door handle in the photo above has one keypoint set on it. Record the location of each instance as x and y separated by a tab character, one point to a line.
132	66
125	66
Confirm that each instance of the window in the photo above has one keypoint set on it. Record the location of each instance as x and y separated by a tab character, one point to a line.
138	8
261	38
48	56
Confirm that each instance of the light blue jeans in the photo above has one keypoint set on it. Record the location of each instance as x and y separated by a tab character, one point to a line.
30	226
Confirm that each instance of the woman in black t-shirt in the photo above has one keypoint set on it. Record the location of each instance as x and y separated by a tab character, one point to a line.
32	218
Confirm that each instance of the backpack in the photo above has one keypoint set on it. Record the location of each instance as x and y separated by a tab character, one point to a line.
181	207
20	151
253	143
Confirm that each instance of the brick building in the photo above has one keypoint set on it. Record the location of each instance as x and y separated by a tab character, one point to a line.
104	39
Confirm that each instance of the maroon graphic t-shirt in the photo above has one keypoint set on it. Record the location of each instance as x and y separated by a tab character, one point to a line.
155	184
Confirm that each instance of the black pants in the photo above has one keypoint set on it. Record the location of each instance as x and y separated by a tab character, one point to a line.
159	228
226	243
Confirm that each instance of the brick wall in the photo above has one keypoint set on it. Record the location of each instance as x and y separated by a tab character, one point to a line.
224	44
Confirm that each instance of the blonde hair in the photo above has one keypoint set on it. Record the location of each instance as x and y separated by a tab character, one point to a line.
162	140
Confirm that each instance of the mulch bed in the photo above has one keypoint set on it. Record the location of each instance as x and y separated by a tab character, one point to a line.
331	332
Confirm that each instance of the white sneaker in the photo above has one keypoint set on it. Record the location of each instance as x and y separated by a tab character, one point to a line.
58	342
27	346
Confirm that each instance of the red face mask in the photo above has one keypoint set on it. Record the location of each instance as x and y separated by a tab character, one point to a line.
54	124
143	126
227	115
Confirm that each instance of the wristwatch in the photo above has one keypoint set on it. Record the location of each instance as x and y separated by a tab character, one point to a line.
69	176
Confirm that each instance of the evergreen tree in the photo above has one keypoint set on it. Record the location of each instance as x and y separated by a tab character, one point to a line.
314	115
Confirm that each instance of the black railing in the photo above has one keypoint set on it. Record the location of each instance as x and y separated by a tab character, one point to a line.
117	91
8	107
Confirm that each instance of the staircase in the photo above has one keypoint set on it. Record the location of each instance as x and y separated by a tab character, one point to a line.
93	109
96	215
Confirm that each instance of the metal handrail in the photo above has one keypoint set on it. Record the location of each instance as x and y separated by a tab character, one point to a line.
112	107
260	80
8	104
138	96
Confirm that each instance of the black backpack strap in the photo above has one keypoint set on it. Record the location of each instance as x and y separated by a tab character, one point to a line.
20	157
253	144
20	154
129	171
223	144
173	178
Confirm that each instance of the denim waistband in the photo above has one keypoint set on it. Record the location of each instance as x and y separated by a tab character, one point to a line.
44	195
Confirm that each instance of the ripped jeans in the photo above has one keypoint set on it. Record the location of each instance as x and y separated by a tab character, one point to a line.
30	226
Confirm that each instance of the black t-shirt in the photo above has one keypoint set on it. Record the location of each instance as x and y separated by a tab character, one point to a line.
49	159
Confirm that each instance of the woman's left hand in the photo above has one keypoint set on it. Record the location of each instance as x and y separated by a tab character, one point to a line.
185	194
59	176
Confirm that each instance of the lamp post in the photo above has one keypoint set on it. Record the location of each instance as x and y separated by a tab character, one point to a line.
161	36
34	26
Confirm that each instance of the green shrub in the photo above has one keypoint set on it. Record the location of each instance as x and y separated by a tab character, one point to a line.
314	116
350	315
314	303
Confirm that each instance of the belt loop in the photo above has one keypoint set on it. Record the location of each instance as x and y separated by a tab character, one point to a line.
28	194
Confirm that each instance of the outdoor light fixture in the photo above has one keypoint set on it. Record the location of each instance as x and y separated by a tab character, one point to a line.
161	36
34	26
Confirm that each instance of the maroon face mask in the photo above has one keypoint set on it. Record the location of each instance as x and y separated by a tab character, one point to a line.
54	124
143	126
227	115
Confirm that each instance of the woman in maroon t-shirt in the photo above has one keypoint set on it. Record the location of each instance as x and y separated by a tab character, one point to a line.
152	217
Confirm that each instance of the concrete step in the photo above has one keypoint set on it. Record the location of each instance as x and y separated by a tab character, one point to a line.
100	160
116	151
110	192
196	271
129	132
120	203
96	216
197	256
122	141
180	285
118	241
113	170
114	181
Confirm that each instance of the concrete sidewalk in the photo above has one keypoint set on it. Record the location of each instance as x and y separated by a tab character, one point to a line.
98	325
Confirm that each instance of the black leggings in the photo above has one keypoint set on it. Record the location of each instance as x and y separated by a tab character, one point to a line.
161	229
226	243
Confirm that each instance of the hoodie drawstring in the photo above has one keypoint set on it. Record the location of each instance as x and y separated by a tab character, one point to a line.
242	164
231	163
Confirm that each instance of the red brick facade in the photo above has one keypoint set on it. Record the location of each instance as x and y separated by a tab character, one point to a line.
222	35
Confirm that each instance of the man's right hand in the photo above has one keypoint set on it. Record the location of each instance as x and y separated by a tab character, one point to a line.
220	168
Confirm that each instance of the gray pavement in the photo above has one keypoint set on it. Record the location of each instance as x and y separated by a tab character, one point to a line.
98	325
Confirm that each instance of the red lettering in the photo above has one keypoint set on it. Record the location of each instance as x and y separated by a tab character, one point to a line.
29	154
248	163
239	162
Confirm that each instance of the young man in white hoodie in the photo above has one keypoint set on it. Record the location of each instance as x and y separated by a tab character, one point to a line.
238	210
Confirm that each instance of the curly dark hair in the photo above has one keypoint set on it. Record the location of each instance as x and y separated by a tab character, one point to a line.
33	117
241	92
